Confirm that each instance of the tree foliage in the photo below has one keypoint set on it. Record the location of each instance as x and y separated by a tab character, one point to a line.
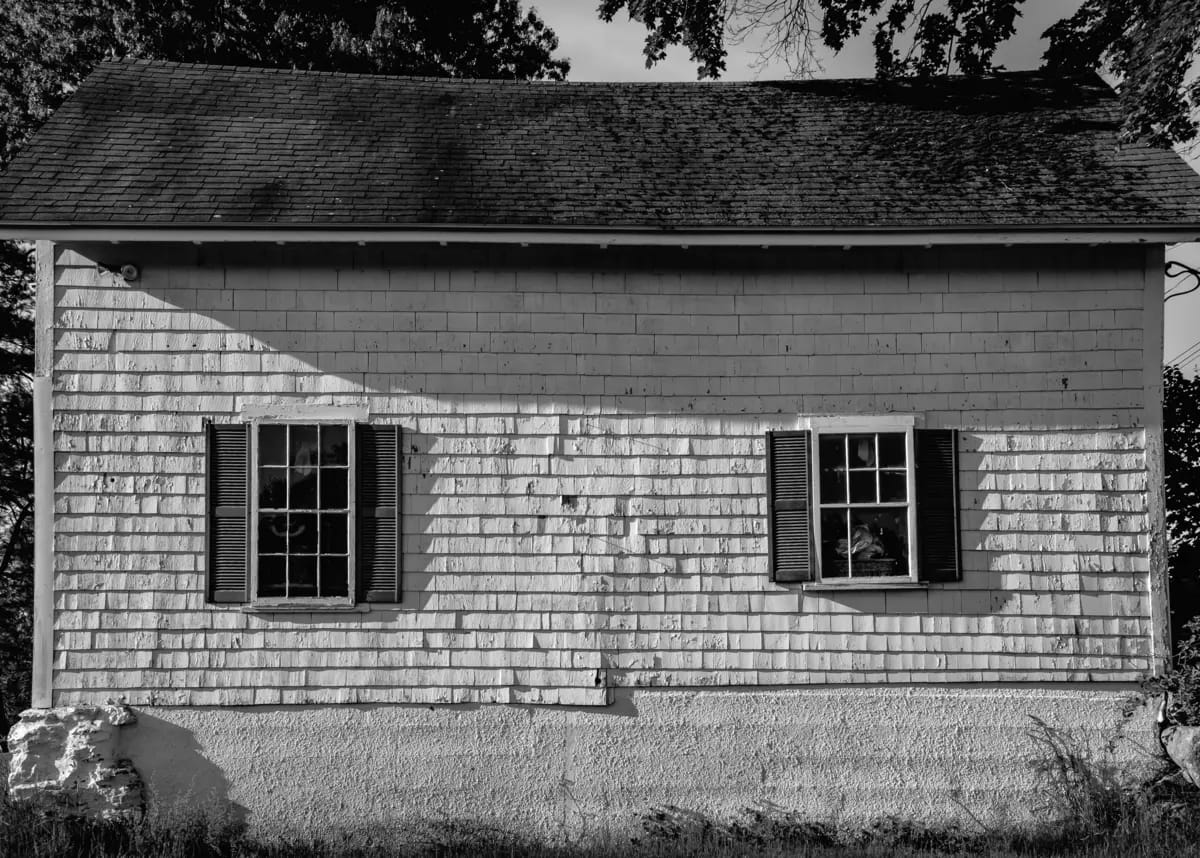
1148	44
16	481
1181	438
48	46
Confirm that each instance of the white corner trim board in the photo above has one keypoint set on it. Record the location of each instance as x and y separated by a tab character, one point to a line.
1156	497
43	480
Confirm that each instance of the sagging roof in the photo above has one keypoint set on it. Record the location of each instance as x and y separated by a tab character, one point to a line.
158	144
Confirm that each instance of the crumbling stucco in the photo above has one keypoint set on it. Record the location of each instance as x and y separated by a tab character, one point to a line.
847	755
1183	747
69	756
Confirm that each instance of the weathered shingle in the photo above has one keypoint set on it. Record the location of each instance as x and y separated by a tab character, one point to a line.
166	143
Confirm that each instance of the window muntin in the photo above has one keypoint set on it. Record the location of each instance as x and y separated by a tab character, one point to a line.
864	526
301	547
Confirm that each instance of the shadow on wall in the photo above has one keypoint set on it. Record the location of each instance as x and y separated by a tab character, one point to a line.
172	763
506	327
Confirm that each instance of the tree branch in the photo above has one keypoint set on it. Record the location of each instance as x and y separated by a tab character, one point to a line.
13	535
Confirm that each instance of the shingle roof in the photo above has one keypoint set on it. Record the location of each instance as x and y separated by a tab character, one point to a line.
157	143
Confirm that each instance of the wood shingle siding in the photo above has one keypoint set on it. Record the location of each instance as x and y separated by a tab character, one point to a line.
584	493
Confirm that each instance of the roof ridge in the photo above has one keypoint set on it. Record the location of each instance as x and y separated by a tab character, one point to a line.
1007	74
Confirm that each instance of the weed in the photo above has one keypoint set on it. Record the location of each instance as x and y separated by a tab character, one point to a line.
1090	809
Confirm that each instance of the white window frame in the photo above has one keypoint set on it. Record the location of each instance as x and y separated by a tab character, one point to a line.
906	423
316	418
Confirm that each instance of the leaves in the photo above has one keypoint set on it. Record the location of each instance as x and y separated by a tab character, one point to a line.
469	38
957	35
47	48
1149	45
16	480
698	25
1181	439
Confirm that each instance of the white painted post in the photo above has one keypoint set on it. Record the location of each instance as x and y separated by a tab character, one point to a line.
43	480
1156	494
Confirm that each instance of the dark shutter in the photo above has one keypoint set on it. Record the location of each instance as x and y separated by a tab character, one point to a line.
228	515
788	494
937	504
378	513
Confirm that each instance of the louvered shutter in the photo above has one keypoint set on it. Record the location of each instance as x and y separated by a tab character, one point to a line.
228	513
937	505
377	475
789	491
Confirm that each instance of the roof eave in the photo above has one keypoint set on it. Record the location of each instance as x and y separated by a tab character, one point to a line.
1172	233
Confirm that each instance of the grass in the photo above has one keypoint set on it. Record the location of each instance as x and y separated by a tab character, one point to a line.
1088	811
1109	825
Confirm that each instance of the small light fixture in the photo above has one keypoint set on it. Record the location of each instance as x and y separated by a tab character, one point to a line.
127	270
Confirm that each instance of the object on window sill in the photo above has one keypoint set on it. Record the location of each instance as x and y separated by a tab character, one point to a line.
865	546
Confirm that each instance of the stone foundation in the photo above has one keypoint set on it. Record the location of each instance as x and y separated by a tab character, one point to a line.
69	757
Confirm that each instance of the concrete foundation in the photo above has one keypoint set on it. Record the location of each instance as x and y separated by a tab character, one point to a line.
843	755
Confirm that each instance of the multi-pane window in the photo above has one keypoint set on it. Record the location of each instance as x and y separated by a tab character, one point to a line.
859	502
304	513
864	525
302	545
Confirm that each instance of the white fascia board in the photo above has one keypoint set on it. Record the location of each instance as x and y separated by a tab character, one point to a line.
210	233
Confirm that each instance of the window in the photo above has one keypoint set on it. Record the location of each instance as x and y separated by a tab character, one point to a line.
881	510
300	527
303	513
863	525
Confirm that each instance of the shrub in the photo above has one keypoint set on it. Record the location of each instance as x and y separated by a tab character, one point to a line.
1182	680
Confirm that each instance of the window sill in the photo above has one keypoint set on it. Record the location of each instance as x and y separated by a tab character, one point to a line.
307	608
864	584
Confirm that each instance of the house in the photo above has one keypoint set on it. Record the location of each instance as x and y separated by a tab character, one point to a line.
541	454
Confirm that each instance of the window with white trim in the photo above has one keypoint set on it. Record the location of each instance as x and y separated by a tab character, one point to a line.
303	517
863	526
862	501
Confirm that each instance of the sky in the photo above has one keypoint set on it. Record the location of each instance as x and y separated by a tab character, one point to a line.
600	51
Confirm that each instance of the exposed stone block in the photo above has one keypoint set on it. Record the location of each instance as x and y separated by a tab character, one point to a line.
1183	747
68	756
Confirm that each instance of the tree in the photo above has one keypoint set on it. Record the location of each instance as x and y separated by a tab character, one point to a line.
1181	440
1148	44
48	46
1181	437
16	481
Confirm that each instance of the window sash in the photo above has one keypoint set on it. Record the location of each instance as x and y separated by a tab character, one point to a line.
351	523
862	426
